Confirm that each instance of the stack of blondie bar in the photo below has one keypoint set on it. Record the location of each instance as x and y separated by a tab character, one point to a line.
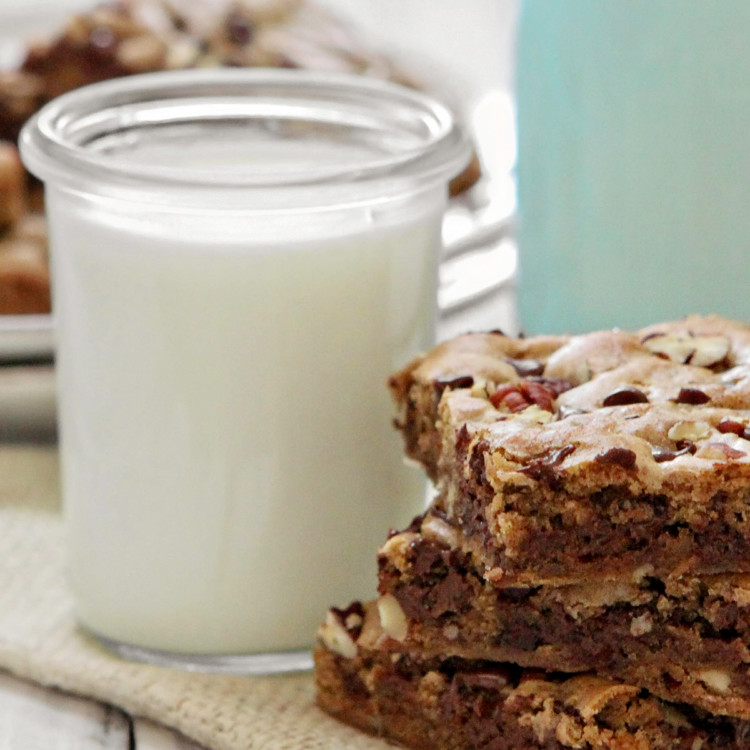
582	577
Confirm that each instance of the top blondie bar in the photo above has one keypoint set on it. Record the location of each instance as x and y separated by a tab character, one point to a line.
608	456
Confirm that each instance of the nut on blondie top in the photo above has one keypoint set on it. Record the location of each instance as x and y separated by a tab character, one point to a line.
433	703
607	456
684	639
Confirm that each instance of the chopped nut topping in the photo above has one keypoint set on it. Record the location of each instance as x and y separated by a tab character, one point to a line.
691	431
534	413
396	549
481	389
641	625
518	396
450	632
142	53
510	397
701	351
336	637
437	530
710	351
716	680
392	617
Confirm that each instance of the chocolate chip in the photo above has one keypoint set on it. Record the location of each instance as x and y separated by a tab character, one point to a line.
625	396
526	367
621	456
665	454
452	594
543	468
440	583
352	618
477	463
687	445
693	396
661	455
462	381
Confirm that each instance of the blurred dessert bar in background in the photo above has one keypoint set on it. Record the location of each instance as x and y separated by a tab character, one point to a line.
126	37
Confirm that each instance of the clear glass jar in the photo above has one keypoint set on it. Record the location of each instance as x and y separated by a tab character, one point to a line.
239	259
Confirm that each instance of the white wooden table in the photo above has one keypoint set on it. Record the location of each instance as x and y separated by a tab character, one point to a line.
34	718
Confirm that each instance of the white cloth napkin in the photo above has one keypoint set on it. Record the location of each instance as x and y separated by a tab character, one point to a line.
39	641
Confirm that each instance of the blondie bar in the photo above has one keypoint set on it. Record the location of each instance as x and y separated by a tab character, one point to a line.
432	703
608	456
685	639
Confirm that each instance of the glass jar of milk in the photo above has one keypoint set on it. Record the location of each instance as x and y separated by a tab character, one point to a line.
240	259
633	165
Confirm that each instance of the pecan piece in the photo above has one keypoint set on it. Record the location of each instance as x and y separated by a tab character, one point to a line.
519	396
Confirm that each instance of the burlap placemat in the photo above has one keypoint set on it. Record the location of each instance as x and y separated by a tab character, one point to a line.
39	640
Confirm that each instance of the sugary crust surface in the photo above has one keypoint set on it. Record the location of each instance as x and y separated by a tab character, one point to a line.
605	452
454	704
683	639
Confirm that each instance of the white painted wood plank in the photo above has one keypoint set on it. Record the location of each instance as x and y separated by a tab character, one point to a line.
150	736
34	718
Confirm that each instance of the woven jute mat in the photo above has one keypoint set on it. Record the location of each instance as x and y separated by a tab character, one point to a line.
39	640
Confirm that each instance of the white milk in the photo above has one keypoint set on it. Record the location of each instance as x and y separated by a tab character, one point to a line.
229	462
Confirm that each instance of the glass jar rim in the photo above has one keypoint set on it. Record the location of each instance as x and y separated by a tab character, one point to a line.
426	143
